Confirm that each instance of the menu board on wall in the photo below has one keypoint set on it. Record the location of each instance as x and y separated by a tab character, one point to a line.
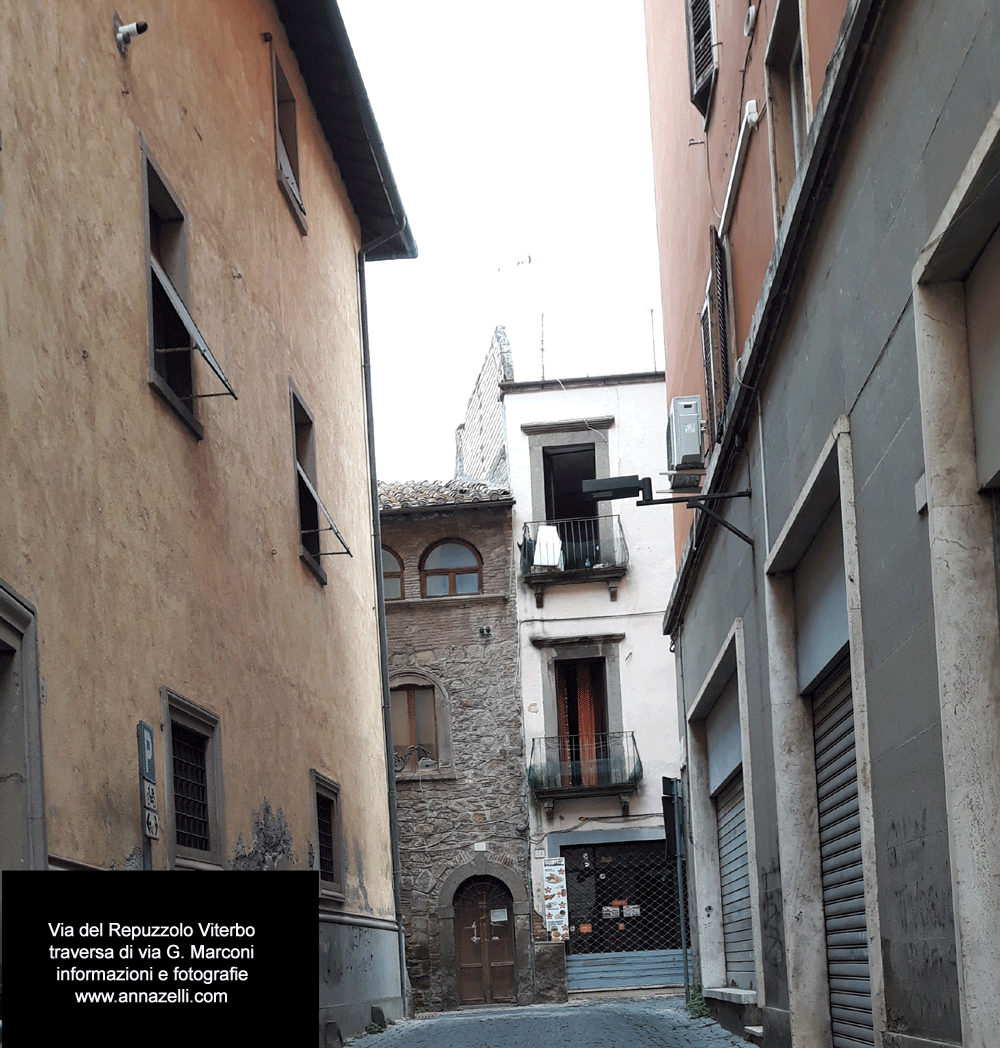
556	910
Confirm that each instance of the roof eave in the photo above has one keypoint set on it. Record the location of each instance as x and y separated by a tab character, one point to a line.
318	36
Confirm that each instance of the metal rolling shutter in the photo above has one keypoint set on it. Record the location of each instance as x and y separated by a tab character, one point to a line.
734	871
840	866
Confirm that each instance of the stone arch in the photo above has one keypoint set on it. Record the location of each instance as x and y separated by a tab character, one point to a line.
482	866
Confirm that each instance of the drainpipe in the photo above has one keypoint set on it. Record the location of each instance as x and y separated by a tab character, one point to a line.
397	880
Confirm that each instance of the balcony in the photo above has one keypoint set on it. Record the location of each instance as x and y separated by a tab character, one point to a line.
564	766
563	552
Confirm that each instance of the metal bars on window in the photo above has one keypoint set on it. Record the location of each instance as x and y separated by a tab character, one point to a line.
190	787
326	823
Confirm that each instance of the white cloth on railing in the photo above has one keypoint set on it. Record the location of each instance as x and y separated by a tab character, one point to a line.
548	548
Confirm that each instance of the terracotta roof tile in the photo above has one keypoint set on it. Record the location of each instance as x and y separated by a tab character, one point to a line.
414	494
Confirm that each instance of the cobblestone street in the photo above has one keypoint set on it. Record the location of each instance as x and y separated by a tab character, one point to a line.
656	1022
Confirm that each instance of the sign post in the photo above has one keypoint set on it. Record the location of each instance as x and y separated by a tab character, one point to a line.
147	792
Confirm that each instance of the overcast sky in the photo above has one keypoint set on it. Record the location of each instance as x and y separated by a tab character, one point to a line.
518	135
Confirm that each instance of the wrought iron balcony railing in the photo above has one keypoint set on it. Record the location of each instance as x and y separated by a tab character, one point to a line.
585	765
581	544
583	549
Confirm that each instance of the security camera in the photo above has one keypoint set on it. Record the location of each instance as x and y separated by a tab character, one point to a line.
124	34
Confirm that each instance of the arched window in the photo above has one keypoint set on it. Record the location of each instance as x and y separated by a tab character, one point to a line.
392	575
414	728
449	569
421	726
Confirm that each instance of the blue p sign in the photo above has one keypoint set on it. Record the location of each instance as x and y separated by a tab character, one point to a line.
147	761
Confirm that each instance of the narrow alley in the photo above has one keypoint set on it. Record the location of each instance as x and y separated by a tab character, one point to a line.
648	1022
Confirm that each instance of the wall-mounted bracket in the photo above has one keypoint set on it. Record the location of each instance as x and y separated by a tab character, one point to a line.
698	502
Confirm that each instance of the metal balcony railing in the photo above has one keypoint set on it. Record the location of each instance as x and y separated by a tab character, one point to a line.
582	544
582	764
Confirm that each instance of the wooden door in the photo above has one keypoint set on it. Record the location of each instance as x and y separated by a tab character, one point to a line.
484	940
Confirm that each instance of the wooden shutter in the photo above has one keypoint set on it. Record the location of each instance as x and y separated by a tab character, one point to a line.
841	868
720	324
708	360
701	56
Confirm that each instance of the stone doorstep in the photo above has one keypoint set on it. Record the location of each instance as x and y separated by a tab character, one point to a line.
626	991
754	1034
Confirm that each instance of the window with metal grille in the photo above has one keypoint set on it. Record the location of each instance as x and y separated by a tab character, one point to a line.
326	798
324	816
701	51
190	788
193	780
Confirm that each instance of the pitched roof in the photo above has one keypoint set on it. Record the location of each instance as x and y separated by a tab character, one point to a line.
424	494
318	36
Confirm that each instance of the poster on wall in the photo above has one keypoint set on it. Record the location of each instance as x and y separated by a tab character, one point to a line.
556	912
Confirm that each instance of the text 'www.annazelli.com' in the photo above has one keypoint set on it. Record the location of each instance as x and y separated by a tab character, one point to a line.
151	997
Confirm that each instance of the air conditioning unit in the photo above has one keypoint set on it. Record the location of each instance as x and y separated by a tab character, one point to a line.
685	457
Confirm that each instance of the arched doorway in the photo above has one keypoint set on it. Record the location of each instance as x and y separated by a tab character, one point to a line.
484	942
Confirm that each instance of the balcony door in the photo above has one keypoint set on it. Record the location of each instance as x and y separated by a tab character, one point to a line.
565	471
582	707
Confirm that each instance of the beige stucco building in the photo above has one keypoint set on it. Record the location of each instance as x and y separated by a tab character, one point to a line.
184	221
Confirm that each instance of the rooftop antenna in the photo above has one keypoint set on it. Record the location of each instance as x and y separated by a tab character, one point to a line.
543	347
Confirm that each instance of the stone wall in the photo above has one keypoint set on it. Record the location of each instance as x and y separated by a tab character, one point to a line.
480	446
467	648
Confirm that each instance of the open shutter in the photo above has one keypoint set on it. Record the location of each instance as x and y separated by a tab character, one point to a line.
708	360
720	285
701	56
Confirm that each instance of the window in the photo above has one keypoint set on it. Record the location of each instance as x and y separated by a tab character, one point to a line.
451	569
326	798
286	142
414	728
23	842
173	334
788	102
392	575
194	785
701	52
309	503
574	516
565	470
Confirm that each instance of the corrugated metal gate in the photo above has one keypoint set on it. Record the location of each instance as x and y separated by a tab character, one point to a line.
841	869
624	916
734	870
